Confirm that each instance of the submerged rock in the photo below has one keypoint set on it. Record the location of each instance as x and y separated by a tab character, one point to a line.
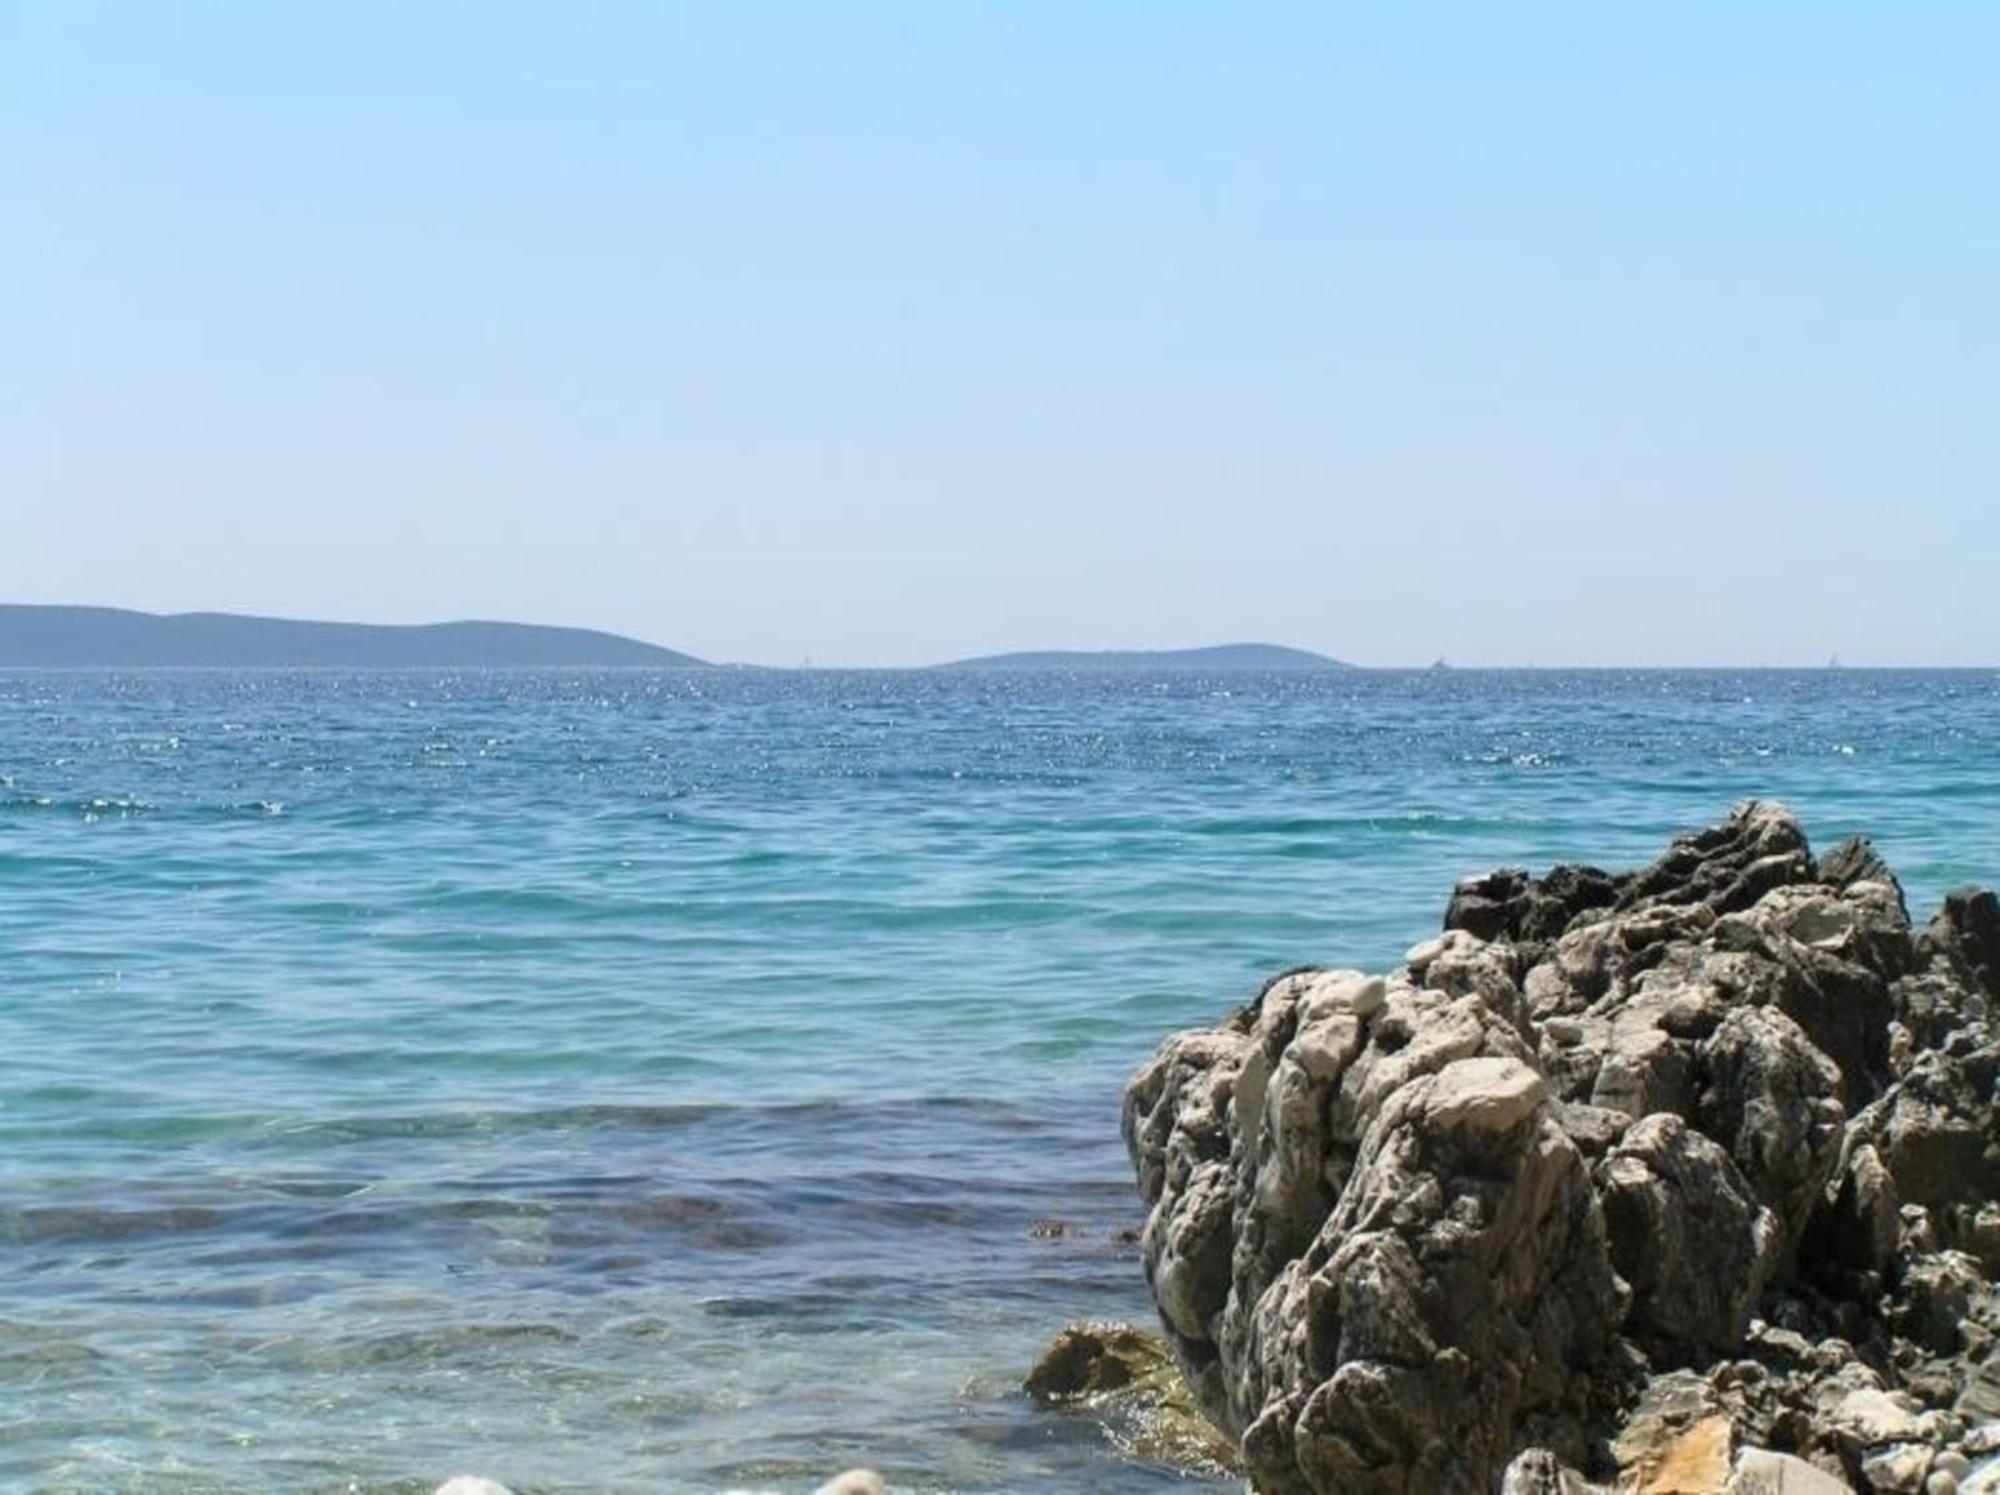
1679	1179
1126	1378
1092	1359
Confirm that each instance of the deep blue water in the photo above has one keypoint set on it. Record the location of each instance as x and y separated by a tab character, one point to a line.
651	1081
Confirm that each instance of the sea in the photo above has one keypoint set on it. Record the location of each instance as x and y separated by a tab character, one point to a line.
708	1080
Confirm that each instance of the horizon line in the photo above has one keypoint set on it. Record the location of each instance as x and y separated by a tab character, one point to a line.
983	661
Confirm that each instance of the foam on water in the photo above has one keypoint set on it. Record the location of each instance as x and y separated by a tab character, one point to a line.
650	1081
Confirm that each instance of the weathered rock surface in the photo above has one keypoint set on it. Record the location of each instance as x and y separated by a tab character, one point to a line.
1683	1179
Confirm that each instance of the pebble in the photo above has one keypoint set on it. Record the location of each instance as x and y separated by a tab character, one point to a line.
854	1482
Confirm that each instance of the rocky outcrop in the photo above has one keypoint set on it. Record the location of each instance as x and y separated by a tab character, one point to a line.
1679	1179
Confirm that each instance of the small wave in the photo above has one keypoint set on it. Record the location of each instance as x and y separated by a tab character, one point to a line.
806	1114
455	1340
90	808
121	807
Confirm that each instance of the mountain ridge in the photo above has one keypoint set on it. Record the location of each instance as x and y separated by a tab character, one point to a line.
74	636
81	637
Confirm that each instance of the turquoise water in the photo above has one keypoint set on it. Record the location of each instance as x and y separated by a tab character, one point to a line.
652	1081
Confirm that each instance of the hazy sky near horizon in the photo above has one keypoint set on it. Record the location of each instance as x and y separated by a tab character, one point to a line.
883	333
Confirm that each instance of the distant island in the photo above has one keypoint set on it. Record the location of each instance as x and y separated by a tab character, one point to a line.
57	637
1217	657
110	637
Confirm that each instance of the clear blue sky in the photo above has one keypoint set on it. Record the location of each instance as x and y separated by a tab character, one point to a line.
882	333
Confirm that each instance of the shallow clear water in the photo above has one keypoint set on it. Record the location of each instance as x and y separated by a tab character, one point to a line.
651	1081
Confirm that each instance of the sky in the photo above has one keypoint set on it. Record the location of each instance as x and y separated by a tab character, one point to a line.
888	333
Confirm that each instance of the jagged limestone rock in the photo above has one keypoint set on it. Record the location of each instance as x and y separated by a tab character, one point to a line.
1727	1117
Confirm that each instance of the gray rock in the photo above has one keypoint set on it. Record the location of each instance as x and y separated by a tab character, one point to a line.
1983	1480
1979	1400
1856	860
1770	1098
1509	904
1462	1272
1726	867
1934	1297
1537	1471
1866	1418
1759	1471
1933	1129
1900	1469
1687	1234
1966	932
1861	1223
